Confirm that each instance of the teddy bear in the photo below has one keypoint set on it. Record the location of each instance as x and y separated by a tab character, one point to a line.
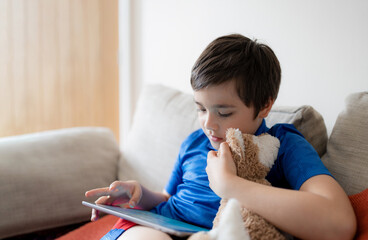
253	156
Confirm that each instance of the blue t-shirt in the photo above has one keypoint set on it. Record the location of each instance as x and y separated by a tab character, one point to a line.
193	201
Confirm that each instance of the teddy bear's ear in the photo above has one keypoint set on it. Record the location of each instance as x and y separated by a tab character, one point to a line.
268	148
235	140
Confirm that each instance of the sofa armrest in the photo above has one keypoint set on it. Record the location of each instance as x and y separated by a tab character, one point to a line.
43	177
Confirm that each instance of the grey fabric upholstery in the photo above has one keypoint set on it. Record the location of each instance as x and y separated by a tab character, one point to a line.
347	149
43	177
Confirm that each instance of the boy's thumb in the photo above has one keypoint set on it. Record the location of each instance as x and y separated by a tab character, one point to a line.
132	203
135	196
224	149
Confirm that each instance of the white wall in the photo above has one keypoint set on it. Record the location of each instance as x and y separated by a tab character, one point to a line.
322	45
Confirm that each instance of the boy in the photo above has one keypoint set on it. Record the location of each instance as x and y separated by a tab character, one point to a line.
235	82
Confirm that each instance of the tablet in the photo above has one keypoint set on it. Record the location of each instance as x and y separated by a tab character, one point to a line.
149	219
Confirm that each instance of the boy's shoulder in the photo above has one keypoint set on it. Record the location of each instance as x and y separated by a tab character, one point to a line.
281	130
291	139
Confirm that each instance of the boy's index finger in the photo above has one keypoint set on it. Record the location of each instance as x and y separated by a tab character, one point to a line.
98	192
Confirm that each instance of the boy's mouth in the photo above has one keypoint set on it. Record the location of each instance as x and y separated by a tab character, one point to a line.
215	139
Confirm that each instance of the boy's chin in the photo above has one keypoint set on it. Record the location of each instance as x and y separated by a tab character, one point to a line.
215	145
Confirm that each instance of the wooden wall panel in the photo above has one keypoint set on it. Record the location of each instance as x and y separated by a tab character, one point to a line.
58	65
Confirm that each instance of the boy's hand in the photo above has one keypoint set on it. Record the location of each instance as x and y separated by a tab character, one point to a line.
122	194
220	169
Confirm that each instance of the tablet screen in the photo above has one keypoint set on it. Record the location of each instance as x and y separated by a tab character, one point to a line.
149	219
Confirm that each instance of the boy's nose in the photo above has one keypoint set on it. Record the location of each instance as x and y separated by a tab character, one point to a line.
210	123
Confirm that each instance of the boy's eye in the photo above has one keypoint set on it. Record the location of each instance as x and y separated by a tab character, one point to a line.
201	110
224	114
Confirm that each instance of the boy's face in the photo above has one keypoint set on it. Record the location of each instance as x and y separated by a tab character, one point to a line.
219	108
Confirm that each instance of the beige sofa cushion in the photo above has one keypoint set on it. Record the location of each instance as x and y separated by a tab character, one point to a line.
347	149
43	177
165	117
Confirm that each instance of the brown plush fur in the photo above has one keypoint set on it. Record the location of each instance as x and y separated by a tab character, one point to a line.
249	167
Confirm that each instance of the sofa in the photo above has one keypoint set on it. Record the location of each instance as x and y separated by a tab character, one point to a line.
43	176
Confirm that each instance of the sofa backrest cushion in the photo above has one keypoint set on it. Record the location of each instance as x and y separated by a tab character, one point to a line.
347	149
43	177
164	117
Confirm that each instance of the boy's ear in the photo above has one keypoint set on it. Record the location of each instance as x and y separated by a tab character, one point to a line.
266	109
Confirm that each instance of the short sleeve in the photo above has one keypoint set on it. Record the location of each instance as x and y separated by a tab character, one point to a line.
297	160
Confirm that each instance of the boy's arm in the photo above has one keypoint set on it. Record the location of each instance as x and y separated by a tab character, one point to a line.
319	210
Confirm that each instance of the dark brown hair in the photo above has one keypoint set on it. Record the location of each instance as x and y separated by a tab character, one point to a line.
253	66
